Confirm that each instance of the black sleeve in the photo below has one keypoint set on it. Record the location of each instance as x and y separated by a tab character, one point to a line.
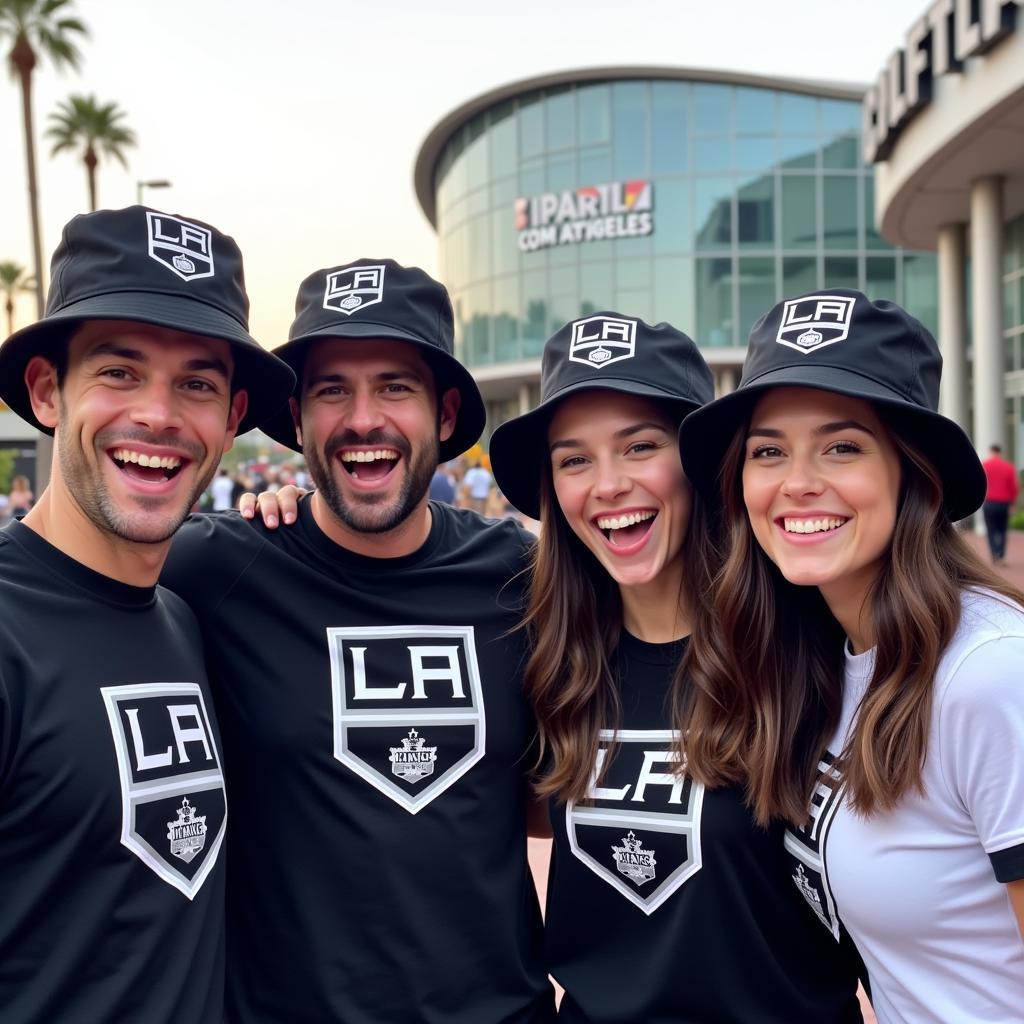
1008	863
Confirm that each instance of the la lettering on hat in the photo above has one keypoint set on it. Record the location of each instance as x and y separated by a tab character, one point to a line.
838	340
148	267
375	300
606	351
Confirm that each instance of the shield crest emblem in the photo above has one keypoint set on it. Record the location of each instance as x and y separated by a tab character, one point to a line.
815	321
645	854
174	811
408	708
184	248
350	290
598	341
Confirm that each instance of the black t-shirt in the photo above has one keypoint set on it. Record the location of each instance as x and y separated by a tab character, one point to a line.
667	904
112	810
376	735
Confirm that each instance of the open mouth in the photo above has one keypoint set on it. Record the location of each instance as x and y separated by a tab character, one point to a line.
623	530
147	468
369	466
822	524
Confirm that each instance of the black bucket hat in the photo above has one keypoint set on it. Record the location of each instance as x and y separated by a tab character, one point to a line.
153	268
606	351
839	340
369	300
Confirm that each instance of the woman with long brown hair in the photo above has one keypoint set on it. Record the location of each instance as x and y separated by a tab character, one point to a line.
667	902
864	673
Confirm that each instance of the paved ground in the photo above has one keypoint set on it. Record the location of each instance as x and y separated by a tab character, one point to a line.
540	850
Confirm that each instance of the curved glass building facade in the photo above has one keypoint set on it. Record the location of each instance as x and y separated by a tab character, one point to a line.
700	198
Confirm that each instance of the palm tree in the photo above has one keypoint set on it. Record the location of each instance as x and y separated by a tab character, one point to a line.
37	28
81	121
13	279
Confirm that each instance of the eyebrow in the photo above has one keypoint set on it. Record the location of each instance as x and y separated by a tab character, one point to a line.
112	348
388	377
825	428
636	428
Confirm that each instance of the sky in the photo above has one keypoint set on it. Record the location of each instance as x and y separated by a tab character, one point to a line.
295	126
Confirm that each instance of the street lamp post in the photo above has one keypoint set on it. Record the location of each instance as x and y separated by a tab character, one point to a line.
140	185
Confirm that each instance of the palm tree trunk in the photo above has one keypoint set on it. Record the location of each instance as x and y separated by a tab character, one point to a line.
90	159
10	316
24	60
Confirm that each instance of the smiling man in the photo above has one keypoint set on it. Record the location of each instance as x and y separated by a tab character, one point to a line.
368	668
112	802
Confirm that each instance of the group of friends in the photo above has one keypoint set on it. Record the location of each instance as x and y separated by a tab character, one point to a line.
282	767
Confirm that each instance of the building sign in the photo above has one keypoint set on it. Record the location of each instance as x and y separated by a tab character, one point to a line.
620	209
938	43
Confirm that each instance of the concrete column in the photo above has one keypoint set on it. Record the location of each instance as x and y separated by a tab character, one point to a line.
953	322
524	398
987	315
725	380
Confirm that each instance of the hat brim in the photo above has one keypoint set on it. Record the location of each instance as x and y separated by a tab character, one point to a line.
519	447
706	434
267	381
448	373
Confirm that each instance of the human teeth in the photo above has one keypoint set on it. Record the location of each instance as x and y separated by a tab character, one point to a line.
812	525
620	522
382	453
151	461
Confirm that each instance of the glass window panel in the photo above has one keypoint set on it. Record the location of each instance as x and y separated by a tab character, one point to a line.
562	280
840	212
713	212
633	274
757	289
839	116
841	272
629	126
562	309
754	153
531	127
712	154
478	336
799	212
596	287
799	274
673	293
1009	310
920	288
479	247
504	241
531	179
561	173
478	201
872	239
635	302
755	111
457	176
880	277
504	192
795	152
477	154
798	115
535	307
1019	321
593	114
755	213
670	114
595	166
632	248
561	119
714	302
841	154
502	138
673	224
712	108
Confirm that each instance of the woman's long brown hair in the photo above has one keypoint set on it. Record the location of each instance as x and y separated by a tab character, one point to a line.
574	620
768	666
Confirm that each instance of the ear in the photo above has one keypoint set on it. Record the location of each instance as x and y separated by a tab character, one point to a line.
43	392
450	402
293	405
239	403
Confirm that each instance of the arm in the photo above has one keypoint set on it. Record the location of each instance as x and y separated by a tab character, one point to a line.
1016	891
282	505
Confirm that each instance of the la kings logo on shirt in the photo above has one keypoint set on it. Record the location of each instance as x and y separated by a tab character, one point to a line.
172	785
408	707
805	847
639	830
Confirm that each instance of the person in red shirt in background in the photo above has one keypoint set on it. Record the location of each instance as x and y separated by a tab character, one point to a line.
1001	494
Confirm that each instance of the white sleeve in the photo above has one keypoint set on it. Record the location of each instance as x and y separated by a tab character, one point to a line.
981	744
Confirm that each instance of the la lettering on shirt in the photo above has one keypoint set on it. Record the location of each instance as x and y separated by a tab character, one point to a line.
112	805
666	903
377	740
922	888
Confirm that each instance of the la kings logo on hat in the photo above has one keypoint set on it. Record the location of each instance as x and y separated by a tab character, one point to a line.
408	707
599	340
814	321
182	247
354	288
174	810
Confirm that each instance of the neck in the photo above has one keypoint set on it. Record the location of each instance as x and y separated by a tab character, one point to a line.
57	518
405	539
652	611
848	602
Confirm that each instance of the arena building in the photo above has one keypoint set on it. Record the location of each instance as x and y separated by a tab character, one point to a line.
697	197
944	125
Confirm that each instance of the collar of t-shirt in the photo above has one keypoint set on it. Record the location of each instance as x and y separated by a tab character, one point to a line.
102	588
651	654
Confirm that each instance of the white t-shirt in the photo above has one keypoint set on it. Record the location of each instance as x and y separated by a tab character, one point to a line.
478	482
917	887
222	488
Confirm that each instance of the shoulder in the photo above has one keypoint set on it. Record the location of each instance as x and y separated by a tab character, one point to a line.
501	544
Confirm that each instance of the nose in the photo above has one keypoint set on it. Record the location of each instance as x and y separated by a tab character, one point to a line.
611	482
802	477
157	407
363	414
